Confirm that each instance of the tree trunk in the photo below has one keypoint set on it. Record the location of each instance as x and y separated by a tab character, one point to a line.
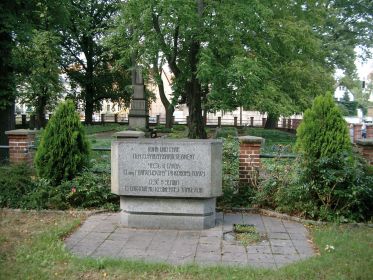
169	116
169	108
89	87
194	91
272	121
7	103
194	97
88	109
40	112
7	123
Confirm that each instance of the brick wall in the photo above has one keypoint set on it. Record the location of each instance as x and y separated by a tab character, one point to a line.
365	147
357	131
249	157
20	141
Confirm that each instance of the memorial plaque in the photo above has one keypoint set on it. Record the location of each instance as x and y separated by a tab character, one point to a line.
168	184
168	168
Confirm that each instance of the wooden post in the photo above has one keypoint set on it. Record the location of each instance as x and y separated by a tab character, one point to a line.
158	119
264	120
23	120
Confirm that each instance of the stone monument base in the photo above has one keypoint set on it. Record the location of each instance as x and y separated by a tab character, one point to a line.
167	213
138	121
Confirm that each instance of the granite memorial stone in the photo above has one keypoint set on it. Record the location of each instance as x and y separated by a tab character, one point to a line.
167	183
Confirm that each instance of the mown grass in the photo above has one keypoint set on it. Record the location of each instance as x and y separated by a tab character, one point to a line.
97	128
276	141
31	247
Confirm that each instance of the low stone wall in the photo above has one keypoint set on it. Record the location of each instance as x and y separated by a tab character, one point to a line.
20	142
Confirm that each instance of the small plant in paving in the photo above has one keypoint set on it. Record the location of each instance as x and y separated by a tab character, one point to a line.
247	234
64	150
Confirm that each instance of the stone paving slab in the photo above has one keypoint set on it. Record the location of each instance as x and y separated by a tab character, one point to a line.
284	242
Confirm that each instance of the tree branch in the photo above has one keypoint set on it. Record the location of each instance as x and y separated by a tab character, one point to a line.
171	59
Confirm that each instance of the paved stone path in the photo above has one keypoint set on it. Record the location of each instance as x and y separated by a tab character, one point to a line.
103	236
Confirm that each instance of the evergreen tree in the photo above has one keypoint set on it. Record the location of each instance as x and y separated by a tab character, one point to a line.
64	150
323	131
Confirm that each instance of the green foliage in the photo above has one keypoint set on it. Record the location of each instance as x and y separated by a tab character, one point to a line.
15	182
38	83
92	129
277	174
234	194
348	108
90	190
224	132
276	141
64	150
332	182
323	131
99	76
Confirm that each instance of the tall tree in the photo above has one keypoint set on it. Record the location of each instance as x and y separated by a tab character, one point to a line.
16	19
271	57
37	59
39	85
87	62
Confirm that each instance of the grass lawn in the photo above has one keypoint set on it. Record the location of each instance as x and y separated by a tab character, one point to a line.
275	140
31	247
114	127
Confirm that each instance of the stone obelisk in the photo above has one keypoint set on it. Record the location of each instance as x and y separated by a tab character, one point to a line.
138	115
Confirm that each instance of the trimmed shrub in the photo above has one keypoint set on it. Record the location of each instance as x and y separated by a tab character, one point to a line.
15	182
234	194
64	149
87	190
332	176
323	131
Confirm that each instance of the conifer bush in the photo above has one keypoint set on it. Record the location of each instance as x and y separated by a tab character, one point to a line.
64	149
332	177
323	131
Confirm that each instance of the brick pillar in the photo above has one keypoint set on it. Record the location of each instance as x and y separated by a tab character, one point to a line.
365	147
20	141
357	132
249	157
369	131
